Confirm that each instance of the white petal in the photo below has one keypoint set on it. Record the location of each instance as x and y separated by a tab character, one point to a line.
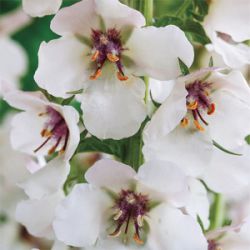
189	150
158	57
25	140
228	174
28	101
59	246
80	216
234	21
37	215
169	115
71	118
118	15
198	202
233	113
160	90
13	60
234	55
170	229
117	104
78	18
166	178
110	174
39	8
62	66
47	180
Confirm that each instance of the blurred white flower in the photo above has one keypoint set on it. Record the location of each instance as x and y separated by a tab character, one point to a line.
40	8
54	127
227	25
194	114
120	203
101	46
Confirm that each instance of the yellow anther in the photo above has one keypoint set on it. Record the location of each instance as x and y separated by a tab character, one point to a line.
137	239
96	75
52	150
184	122
193	105
121	77
198	126
61	152
43	113
46	133
112	57
95	56
211	109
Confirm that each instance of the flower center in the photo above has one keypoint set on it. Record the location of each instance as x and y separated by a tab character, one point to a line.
198	103
107	46
55	129
212	245
130	210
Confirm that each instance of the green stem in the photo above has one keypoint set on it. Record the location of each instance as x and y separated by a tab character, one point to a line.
217	217
183	8
148	11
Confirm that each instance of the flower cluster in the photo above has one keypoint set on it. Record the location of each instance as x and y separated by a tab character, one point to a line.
119	83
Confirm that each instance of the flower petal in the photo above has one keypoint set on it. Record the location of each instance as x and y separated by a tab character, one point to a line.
39	8
158	57
62	67
117	104
110	174
170	229
189	150
39	185
166	178
37	215
83	209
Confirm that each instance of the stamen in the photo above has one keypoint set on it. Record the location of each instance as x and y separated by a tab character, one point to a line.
198	126
116	233
46	133
53	149
37	149
139	220
95	56
200	116
43	113
112	57
118	215
193	105
121	76
65	143
184	122
211	109
137	239
96	75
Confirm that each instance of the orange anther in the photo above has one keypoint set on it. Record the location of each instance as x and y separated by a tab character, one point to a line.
184	122
137	239
193	105
46	133
211	109
52	150
96	75
121	77
112	57
198	126
95	56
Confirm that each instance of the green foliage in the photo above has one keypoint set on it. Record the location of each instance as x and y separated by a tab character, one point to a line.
183	67
247	139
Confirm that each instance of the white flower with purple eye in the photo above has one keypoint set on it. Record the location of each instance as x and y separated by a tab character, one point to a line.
195	113
40	8
227	25
120	205
43	128
101	51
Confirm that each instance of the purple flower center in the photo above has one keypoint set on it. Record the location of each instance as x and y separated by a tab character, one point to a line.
107	46
131	208
198	103
55	129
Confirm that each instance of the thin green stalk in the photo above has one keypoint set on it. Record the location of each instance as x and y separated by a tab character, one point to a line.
149	11
218	210
183	8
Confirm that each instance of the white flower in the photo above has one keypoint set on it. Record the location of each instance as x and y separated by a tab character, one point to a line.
118	203
230	238
40	8
227	25
197	111
100	48
44	189
43	128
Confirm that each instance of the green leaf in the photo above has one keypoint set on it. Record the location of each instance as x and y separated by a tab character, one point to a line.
75	92
247	139
68	100
217	145
183	67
